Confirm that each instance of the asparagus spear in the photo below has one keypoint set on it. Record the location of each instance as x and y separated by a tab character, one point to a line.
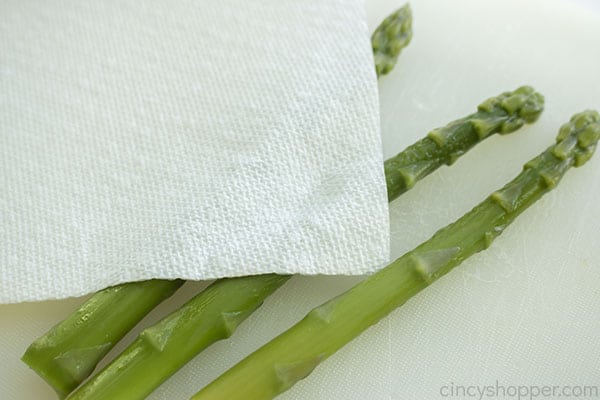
293	355
212	315
390	37
502	114
70	351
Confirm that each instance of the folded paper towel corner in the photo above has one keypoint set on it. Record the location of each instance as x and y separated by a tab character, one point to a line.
186	140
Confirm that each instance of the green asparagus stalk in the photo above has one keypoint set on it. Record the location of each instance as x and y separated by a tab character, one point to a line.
70	351
293	355
390	37
212	315
502	114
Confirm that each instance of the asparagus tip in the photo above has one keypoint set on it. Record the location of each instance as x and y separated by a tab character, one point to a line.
578	137
390	37
523	105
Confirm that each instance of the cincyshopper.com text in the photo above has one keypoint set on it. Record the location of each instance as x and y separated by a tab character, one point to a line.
519	392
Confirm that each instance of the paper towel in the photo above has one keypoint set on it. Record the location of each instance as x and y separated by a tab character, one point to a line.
189	139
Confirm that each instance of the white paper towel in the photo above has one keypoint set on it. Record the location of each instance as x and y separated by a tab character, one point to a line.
188	139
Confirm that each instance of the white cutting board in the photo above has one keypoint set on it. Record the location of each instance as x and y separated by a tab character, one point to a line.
525	312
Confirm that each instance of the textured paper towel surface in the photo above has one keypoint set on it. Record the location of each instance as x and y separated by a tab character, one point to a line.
159	139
